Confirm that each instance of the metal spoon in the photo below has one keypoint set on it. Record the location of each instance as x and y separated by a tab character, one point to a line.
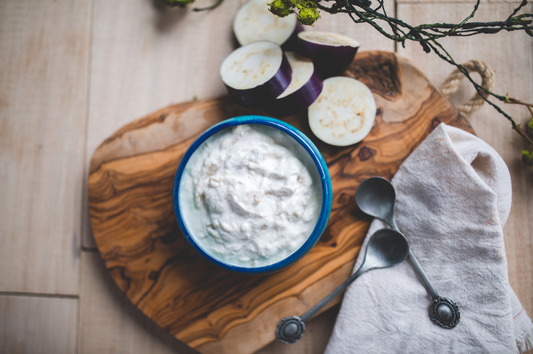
385	248
376	197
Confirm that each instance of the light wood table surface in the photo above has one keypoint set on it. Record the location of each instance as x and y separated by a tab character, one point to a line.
74	71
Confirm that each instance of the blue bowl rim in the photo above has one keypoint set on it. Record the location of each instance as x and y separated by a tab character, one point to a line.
325	179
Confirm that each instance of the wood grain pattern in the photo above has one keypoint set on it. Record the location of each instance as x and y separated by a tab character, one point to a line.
214	311
43	82
511	57
317	333
110	323
146	56
136	58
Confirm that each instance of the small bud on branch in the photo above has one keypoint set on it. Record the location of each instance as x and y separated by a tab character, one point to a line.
428	35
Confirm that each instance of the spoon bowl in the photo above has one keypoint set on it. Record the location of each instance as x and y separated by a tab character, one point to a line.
376	197
385	248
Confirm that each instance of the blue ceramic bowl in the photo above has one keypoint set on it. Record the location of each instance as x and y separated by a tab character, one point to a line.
323	173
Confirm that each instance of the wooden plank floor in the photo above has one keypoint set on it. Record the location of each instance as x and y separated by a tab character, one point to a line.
43	324
73	72
44	54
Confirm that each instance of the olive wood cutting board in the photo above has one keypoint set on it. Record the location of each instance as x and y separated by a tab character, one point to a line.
212	310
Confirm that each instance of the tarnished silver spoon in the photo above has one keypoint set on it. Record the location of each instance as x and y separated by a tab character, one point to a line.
385	248
376	197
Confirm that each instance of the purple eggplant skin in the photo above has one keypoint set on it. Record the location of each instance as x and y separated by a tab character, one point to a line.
329	60
271	89
291	44
297	101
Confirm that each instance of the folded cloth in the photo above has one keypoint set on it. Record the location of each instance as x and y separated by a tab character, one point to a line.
453	198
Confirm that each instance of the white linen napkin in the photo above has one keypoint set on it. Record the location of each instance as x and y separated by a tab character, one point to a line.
453	198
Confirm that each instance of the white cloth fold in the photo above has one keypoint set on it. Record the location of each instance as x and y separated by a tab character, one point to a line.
453	198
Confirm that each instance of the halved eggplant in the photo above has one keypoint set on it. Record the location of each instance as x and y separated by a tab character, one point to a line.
303	90
254	22
344	112
331	52
256	73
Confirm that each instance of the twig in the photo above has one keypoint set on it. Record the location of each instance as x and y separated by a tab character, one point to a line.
427	35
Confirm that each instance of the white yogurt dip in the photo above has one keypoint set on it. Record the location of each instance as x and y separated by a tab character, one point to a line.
250	195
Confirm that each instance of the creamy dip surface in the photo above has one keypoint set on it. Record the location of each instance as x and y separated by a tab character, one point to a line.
250	195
